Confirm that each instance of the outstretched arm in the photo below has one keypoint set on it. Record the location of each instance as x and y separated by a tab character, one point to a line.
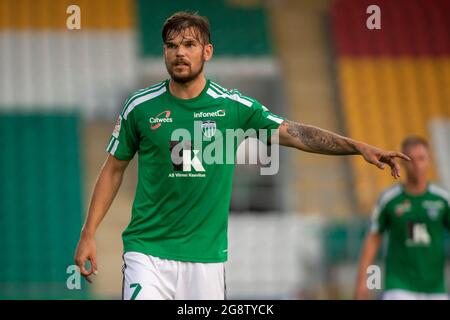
313	139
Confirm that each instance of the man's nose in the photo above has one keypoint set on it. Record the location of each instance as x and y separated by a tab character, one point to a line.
180	51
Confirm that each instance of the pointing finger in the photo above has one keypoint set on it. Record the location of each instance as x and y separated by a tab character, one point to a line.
400	155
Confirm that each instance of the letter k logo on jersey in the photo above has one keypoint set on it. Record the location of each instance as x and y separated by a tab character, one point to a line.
184	158
191	163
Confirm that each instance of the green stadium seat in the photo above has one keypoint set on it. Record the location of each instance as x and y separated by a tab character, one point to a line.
40	204
227	21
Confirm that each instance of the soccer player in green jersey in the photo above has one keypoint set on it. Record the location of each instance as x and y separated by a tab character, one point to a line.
415	214
176	243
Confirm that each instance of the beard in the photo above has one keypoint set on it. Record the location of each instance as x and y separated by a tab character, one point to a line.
182	79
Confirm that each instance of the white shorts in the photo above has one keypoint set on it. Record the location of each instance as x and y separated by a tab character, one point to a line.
400	294
147	277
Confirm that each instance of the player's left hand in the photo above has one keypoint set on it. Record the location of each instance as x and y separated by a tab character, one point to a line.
379	158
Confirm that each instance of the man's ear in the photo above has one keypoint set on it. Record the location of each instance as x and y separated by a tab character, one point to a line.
208	52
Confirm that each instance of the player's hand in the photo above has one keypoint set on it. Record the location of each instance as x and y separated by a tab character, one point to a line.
361	291
379	158
86	250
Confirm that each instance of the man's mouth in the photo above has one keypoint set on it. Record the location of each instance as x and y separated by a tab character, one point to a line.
181	63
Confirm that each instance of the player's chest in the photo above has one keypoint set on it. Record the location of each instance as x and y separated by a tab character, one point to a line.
174	123
417	210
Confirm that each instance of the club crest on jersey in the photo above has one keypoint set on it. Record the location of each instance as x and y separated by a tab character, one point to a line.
209	128
433	208
158	120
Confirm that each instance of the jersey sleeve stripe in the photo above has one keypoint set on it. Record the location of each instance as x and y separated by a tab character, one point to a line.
108	148
114	148
216	94
387	196
439	191
221	92
277	120
142	92
234	91
233	95
374	227
237	98
142	99
218	86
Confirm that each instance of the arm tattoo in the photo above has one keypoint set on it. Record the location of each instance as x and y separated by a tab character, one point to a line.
320	141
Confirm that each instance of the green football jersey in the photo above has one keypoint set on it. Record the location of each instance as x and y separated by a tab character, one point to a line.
185	167
415	258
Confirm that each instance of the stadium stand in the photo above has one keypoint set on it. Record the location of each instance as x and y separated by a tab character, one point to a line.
440	131
227	21
92	69
393	81
40	204
317	184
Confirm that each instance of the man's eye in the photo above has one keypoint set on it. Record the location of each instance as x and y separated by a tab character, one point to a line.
171	46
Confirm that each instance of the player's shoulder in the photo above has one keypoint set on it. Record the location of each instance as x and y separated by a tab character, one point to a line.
439	191
390	194
143	95
216	91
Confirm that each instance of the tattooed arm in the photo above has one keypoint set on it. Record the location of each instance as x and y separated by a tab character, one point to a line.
313	139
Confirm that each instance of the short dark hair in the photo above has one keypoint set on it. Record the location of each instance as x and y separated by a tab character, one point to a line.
182	20
414	140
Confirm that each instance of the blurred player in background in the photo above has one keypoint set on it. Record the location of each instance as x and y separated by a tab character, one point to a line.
415	214
176	243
